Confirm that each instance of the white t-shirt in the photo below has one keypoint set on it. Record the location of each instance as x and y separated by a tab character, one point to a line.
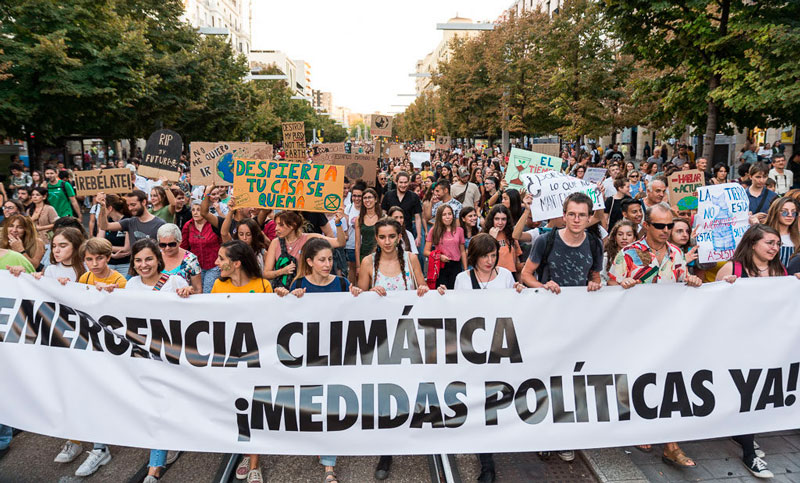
608	184
352	218
60	271
504	279
173	283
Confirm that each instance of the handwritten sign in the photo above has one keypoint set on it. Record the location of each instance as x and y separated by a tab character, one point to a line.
109	181
294	140
357	166
526	162
549	190
722	218
594	175
162	155
380	125
320	150
288	185
212	163
683	187
417	158
442	142
481	144
430	145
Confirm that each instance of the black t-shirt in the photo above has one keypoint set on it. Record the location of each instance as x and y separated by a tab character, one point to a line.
314	222
181	217
614	210
117	239
410	204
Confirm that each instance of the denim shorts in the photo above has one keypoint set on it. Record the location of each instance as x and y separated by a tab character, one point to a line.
351	254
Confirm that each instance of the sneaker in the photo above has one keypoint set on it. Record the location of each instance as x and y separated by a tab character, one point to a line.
93	462
756	447
243	469
544	454
759	468
172	456
567	456
383	468
150	479
254	476
69	452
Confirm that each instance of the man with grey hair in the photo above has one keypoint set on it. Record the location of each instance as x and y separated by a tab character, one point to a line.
653	259
656	191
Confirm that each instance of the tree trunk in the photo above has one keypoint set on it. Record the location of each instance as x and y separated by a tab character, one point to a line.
712	123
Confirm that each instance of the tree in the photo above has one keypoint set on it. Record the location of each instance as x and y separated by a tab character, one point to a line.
712	55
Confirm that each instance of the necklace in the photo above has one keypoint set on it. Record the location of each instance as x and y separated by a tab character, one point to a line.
488	279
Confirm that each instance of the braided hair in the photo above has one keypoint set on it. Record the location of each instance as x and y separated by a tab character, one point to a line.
376	257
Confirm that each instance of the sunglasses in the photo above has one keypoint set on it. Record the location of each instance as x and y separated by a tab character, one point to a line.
661	226
170	244
789	214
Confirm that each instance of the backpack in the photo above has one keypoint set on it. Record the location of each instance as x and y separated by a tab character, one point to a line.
284	259
543	272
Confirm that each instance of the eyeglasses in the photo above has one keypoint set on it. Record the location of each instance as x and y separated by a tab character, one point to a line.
170	244
577	215
9	207
789	214
661	226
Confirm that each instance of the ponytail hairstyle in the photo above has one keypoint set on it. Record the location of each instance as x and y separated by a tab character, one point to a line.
310	250
376	259
404	234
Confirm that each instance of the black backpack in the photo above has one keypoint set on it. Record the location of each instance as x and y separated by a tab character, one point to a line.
284	259
543	271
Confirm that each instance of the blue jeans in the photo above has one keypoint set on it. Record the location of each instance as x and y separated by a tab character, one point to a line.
5	436
209	277
158	458
327	460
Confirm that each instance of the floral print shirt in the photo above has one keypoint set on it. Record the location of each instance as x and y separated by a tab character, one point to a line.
639	261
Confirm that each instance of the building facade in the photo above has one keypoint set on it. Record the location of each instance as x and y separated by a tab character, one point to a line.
427	66
222	17
260	60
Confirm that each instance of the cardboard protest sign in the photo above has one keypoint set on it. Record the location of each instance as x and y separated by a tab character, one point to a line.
417	158
294	140
430	145
442	142
212	163
396	151
549	149
525	162
319	150
110	181
481	144
683	187
380	125
287	185
594	175
550	188
721	220
357	166
162	155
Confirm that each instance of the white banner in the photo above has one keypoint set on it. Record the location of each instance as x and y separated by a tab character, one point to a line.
549	190
723	215
417	158
470	371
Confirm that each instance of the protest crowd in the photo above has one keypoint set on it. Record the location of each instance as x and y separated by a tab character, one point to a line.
460	219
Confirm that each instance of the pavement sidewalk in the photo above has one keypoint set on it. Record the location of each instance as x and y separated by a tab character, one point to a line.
717	460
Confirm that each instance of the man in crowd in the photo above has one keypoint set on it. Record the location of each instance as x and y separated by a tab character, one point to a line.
702	165
61	195
442	191
24	196
783	177
408	201
682	157
608	183
468	194
142	223
18	179
183	213
614	154
632	211
656	191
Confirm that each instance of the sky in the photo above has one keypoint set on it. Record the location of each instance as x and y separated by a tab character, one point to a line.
361	50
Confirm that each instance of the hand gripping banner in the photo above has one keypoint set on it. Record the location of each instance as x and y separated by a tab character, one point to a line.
469	371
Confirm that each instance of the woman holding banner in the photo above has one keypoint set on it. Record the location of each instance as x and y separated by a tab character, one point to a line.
756	256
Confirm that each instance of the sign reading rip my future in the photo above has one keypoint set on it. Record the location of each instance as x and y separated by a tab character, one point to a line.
287	185
161	156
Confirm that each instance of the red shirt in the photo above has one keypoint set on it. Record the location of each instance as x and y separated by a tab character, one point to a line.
205	243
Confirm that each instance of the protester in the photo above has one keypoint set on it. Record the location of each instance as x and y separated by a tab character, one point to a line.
365	227
19	234
613	204
466	192
445	241
142	223
183	212
409	202
681	237
351	214
784	178
608	183
281	262
622	234
178	261
62	195
249	232
499	226
66	264
656	191
782	217
163	204
469	221
720	175
409	243
511	199
96	253
442	191
201	238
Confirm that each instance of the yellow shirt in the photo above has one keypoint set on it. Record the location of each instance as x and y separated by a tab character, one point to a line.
113	278
426	174
256	285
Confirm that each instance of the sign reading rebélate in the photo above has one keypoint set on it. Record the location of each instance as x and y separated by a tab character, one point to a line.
110	181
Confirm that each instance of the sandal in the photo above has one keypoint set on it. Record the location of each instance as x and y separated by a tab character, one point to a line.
645	448
677	457
330	477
